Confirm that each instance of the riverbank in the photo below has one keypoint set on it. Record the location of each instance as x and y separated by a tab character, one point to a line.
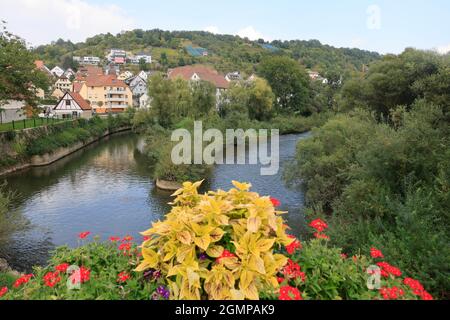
45	145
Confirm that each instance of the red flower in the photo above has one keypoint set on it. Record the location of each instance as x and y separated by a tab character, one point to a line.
293	270
426	296
289	293
275	202
62	267
127	239
125	247
225	254
387	269
84	235
417	288
3	291
319	225
81	275
123	277
319	235
51	279
375	253
344	256
146	238
22	280
114	239
280	279
391	293
294	245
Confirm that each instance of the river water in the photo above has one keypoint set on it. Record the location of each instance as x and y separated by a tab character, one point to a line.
107	189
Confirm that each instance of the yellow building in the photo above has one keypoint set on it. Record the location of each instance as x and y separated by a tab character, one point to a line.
106	94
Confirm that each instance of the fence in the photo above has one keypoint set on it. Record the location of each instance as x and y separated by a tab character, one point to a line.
30	123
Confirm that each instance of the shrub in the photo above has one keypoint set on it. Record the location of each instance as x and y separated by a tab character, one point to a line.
218	246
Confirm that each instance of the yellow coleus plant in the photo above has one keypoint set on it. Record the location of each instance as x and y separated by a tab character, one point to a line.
219	245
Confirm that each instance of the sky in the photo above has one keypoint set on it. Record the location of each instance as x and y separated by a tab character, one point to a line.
385	26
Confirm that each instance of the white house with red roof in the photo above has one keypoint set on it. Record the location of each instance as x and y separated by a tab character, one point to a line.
72	105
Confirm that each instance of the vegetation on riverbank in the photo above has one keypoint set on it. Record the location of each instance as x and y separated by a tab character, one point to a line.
382	169
220	245
19	147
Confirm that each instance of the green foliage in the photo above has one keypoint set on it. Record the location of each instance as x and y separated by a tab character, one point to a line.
400	80
18	74
386	186
226	52
104	261
289	82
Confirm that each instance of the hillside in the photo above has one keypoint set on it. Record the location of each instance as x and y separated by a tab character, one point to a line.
226	52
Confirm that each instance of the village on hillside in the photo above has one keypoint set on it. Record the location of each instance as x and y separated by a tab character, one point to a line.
103	86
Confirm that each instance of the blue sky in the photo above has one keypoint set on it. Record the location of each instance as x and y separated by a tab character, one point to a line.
383	26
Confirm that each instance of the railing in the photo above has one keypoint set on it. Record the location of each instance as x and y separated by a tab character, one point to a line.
31	123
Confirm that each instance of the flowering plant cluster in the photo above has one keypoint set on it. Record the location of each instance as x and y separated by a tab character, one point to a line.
219	245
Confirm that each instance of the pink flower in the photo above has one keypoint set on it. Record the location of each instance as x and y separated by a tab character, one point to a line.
83	235
81	275
114	239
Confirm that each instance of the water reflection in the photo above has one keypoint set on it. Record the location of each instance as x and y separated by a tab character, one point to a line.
107	189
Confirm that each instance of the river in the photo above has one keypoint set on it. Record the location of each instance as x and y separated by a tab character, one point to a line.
107	189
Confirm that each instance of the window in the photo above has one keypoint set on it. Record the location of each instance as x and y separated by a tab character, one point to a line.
67	102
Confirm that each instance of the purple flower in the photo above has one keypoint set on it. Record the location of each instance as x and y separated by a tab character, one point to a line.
202	257
163	292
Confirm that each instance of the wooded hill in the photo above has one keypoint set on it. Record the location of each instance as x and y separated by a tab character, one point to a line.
225	52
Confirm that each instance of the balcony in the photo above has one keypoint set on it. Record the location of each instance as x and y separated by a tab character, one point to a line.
117	99
115	91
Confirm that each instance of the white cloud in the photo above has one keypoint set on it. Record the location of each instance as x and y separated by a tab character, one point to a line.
212	29
251	33
443	49
43	21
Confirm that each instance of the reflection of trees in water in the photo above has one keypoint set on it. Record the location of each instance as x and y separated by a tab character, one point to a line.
11	220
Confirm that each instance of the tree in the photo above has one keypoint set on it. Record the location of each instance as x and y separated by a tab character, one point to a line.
260	102
203	97
143	65
164	59
161	93
19	78
289	82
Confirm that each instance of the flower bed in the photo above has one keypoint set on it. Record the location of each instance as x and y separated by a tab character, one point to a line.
220	245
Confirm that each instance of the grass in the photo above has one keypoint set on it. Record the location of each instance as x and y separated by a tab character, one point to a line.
29	123
6	279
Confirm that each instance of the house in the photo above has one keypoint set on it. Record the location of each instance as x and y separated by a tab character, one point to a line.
72	105
117	56
90	60
125	75
143	75
112	69
69	73
138	87
64	84
144	101
198	73
58	93
143	56
12	110
233	76
41	66
57	72
106	93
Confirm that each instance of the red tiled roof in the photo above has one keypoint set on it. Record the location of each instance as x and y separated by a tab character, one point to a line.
205	73
84	105
77	86
104	80
39	64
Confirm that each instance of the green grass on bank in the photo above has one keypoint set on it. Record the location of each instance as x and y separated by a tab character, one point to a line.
29	123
